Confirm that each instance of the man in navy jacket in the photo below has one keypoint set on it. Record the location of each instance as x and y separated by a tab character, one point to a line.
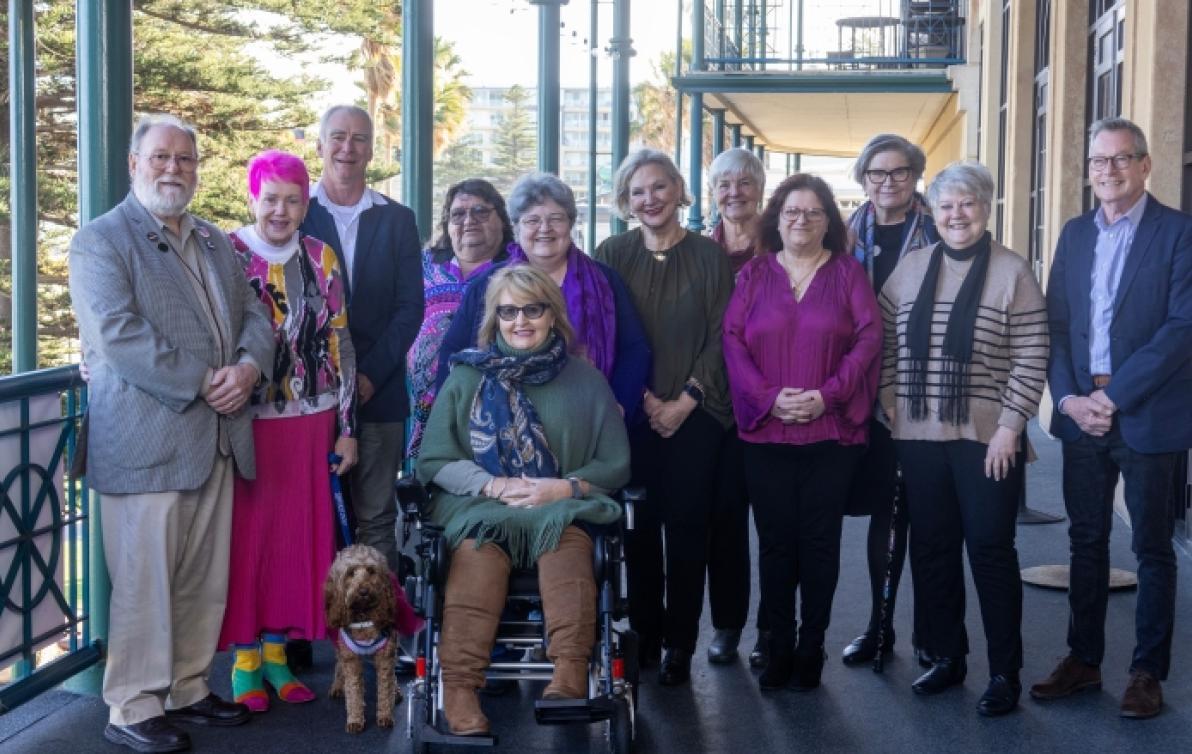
1120	307
377	242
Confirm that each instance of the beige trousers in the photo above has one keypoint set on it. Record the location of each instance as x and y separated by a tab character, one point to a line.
167	556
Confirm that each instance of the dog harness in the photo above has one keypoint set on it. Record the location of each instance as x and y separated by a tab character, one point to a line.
360	648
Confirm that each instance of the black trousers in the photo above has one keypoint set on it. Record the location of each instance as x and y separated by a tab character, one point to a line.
728	544
666	586
955	506
798	494
1091	469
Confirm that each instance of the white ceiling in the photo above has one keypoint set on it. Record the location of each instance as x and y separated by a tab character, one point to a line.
830	123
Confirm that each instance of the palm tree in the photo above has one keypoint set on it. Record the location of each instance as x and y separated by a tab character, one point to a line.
452	95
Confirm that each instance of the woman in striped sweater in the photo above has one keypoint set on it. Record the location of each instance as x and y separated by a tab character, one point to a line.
964	364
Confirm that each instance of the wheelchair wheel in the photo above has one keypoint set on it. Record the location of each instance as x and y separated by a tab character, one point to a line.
620	728
628	644
418	717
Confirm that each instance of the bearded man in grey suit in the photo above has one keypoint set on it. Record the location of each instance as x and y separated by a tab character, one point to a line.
173	337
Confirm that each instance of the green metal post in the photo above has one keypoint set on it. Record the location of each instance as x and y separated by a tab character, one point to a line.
753	33
418	114
548	84
695	219
734	132
739	26
760	151
798	162
761	42
717	130
679	72
22	108
721	34
748	142
621	46
799	42
789	163
593	105
103	59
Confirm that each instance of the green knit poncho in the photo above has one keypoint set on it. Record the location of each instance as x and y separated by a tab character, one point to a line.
584	429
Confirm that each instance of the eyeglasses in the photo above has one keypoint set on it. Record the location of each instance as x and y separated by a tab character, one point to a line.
534	222
478	212
508	312
1120	161
814	214
187	163
897	175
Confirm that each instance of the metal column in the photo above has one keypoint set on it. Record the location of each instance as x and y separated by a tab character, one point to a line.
593	104
103	59
548	84
418	113
695	220
760	151
748	142
23	190
621	46
717	131
678	72
734	132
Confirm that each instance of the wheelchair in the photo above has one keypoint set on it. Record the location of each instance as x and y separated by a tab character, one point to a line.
613	670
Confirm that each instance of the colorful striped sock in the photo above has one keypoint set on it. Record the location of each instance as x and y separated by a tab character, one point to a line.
247	685
277	672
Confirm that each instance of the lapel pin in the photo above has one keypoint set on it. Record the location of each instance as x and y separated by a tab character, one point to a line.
153	237
203	232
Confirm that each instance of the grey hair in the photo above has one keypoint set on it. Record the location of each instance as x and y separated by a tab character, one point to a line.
150	121
1120	124
737	161
889	143
334	110
632	164
533	189
965	178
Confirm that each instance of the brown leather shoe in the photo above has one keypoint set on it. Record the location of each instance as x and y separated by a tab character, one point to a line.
1143	697
1070	676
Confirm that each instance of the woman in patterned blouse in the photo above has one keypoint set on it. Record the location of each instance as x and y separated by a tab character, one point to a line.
474	230
283	540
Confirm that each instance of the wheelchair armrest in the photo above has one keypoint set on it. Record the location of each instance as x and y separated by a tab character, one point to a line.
413	498
631	497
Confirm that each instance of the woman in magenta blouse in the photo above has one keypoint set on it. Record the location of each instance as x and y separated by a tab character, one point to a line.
802	338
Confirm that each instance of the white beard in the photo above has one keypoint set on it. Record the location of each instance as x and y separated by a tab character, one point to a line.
170	203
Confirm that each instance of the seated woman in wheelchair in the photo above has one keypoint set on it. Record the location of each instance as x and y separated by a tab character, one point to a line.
523	443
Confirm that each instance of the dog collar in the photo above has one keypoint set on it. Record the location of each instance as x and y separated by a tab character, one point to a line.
361	648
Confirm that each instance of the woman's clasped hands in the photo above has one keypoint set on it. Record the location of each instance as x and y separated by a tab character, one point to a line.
797	406
527	492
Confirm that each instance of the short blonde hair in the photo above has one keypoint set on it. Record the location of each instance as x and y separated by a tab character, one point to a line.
528	284
635	162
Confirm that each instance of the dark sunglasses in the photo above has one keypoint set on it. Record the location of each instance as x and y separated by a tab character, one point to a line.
508	312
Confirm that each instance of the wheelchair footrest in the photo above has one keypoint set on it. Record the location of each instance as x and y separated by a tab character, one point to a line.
432	735
564	711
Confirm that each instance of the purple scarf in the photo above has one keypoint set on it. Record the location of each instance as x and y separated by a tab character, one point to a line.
590	305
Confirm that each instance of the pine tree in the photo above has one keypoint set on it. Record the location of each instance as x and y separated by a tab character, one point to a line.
515	140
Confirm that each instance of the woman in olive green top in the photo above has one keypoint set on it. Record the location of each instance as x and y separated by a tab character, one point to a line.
680	283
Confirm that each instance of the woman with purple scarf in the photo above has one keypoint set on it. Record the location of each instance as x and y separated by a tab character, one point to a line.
599	307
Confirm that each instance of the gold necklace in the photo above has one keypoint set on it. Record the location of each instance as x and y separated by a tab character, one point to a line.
799	282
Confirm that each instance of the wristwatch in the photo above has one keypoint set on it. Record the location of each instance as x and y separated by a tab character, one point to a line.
695	390
577	490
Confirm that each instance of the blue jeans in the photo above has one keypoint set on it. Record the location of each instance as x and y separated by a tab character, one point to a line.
1091	469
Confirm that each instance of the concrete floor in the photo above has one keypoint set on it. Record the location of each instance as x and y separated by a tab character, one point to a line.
723	711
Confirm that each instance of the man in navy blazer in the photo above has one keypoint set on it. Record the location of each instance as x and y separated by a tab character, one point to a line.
377	242
1119	300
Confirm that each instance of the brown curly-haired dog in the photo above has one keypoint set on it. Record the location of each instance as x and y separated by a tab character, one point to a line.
360	601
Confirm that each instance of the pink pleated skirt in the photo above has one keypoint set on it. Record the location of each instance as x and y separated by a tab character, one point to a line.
283	532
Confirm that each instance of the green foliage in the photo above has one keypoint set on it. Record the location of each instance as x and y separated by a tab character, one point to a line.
515	139
200	60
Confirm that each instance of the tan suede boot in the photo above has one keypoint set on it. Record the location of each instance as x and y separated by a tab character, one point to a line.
476	589
569	604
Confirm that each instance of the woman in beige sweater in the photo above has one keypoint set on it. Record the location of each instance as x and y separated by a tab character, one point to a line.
964	364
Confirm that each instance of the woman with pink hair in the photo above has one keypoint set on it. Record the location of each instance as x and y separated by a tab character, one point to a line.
283	540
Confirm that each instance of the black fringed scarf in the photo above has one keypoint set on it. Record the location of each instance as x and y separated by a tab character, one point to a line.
958	338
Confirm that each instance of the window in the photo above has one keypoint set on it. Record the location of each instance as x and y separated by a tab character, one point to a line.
1039	134
1106	56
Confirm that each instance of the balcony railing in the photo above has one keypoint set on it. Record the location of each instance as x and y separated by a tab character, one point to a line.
45	515
925	34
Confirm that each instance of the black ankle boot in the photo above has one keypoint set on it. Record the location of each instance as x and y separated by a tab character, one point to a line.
945	673
863	649
780	664
808	669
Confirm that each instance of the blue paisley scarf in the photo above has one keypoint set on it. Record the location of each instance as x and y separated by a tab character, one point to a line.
920	231
505	433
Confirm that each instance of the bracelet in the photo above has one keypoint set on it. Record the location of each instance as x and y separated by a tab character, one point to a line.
695	390
577	490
